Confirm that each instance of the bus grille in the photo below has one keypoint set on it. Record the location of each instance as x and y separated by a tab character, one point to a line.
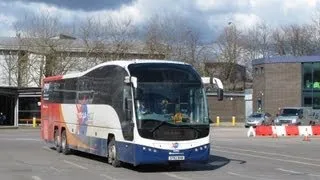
175	134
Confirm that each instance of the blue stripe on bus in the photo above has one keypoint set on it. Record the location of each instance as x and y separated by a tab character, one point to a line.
138	154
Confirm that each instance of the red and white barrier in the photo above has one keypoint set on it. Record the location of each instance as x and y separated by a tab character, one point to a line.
284	131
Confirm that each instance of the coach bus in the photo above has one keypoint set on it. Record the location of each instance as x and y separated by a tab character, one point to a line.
135	111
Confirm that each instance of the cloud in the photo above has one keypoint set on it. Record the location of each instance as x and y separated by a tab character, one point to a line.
85	5
207	16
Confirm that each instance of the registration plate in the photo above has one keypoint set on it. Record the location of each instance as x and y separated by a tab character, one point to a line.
176	158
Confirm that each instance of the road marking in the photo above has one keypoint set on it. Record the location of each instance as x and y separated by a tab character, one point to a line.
175	176
19	139
27	139
46	148
289	171
36	178
74	164
267	153
59	171
315	175
244	176
270	158
107	177
297	173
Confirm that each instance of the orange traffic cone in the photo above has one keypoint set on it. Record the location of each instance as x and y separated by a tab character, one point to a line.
306	136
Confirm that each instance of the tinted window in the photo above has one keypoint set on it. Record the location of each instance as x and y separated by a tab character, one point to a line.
154	72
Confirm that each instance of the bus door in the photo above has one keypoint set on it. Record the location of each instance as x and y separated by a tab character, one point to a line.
127	123
44	112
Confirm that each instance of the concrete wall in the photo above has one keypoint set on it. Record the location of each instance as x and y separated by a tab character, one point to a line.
232	105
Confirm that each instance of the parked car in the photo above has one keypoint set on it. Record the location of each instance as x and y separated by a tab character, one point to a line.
295	116
258	118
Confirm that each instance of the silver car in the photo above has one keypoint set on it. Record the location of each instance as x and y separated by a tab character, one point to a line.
258	118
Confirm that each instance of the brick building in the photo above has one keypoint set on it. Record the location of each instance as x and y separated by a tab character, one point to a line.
286	81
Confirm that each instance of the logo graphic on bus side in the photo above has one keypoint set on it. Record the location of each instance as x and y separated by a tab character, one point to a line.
82	115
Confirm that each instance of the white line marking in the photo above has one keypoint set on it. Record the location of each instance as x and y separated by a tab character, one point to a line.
296	172
59	171
315	175
27	139
245	176
275	159
46	148
35	178
289	171
175	176
107	177
262	152
74	164
19	139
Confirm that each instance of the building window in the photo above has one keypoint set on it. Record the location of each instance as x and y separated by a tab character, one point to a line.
311	85
307	75
28	108
316	76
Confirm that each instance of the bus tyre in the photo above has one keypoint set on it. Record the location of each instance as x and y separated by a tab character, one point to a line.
112	154
56	141
64	143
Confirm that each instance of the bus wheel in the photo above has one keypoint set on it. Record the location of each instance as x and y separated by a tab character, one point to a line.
112	154
64	144
56	141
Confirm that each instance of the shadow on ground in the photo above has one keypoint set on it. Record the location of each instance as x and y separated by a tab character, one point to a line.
215	162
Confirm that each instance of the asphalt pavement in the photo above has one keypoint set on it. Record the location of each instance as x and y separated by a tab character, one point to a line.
23	156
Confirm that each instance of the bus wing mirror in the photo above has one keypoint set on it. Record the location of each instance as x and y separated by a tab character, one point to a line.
131	79
215	83
205	80
220	94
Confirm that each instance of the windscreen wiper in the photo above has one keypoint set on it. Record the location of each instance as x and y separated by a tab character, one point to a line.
191	127
163	122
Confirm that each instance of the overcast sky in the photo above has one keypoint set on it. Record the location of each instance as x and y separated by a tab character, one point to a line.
207	15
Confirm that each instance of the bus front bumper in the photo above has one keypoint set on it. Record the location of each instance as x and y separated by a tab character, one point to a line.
150	155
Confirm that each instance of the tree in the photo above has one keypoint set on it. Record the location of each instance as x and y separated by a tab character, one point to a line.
299	39
256	43
9	65
39	33
229	53
174	36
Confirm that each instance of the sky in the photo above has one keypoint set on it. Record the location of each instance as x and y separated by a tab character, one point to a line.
208	16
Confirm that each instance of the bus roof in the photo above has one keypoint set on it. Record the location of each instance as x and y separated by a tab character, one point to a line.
122	63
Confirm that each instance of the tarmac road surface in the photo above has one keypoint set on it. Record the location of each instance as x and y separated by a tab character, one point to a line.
23	156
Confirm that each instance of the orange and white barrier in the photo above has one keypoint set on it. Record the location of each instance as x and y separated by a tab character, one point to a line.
278	131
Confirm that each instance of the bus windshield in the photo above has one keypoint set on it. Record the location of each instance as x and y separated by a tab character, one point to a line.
174	103
169	94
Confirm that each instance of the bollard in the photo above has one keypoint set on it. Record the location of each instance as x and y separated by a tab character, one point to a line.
218	120
34	122
233	120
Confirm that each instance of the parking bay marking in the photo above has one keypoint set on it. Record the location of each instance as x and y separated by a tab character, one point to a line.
74	164
267	153
296	172
36	178
245	176
175	176
270	158
107	177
